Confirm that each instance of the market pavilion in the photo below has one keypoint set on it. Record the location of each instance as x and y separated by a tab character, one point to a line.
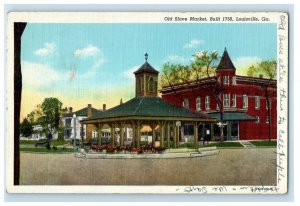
147	109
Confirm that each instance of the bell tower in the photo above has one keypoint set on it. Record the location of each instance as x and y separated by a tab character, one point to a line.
146	80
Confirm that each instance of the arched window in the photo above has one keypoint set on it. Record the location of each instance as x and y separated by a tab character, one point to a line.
141	84
151	84
198	104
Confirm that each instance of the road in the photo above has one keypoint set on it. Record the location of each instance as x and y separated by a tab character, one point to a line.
231	167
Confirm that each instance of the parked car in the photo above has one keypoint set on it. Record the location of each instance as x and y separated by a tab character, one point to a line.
42	143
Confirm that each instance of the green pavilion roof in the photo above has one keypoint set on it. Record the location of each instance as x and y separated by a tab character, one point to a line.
231	116
83	112
149	107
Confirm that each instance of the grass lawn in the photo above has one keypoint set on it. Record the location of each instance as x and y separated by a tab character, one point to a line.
53	142
28	141
224	144
189	146
57	142
44	150
264	143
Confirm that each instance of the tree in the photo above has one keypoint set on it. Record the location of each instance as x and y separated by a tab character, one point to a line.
193	75
267	69
26	128
48	116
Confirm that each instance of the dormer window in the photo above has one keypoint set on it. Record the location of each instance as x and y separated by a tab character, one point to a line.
226	80
234	80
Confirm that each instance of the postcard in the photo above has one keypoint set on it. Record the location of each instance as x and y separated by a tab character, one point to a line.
147	102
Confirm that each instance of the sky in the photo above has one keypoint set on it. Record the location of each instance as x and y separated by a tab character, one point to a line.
84	64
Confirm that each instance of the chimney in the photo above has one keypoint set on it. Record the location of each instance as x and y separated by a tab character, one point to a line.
104	108
70	109
121	101
89	110
261	76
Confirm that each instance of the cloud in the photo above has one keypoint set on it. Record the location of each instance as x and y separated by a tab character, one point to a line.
176	59
90	50
194	43
37	74
244	62
129	72
49	48
94	69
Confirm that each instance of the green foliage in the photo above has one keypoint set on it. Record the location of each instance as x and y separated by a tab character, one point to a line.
26	128
200	67
265	68
48	116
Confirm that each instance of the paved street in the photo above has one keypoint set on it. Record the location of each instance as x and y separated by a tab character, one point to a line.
230	167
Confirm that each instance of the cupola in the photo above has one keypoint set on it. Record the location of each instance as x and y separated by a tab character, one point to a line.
146	80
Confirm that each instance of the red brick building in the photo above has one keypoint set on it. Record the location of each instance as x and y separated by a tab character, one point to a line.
244	103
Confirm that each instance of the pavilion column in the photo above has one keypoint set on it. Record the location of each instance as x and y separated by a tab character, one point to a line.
138	133
168	134
177	136
112	130
100	134
153	133
196	133
125	134
212	131
162	128
133	134
122	134
174	135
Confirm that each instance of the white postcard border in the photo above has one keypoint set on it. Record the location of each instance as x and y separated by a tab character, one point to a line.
281	19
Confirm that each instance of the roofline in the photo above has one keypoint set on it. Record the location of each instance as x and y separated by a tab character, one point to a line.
210	79
250	79
191	83
145	71
128	118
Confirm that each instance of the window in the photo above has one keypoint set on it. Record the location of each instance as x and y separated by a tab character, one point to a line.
68	122
151	84
267	120
234	80
198	104
245	101
257	102
186	103
217	106
270	102
233	100
141	84
207	102
226	100
226	80
257	119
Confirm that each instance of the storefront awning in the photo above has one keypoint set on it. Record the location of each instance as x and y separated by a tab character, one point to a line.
232	116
